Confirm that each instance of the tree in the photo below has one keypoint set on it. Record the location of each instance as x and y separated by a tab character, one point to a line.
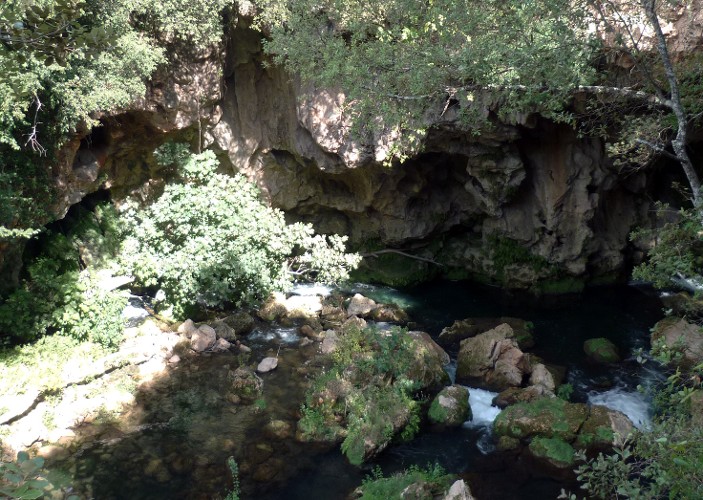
64	61
399	60
403	63
658	79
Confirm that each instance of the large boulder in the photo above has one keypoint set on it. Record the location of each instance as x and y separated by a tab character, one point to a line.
554	428
470	327
203	338
601	350
459	490
390	313
274	307
303	306
546	417
360	306
680	340
492	360
427	367
603	429
450	408
513	395
241	322
554	451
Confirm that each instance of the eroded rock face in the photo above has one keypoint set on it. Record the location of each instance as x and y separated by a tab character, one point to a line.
525	202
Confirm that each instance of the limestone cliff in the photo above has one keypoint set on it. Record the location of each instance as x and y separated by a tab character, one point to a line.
523	203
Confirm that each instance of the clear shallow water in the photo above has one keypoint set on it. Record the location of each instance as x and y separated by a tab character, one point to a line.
185	459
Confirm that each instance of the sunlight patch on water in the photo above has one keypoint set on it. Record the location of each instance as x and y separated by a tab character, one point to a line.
631	403
285	335
311	289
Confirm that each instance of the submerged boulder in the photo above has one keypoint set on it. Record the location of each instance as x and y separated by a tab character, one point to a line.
450	408
601	350
245	384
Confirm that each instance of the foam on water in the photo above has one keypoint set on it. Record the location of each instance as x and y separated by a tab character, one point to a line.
311	289
631	403
484	413
285	335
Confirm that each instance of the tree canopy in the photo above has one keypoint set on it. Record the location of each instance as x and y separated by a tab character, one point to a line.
395	59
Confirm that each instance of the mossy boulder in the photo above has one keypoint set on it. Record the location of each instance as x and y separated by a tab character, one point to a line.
241	322
602	429
554	451
601	350
514	395
245	384
450	408
273	308
545	417
429	360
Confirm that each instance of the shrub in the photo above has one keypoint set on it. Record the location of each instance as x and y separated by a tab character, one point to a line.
57	296
208	240
366	396
378	487
665	461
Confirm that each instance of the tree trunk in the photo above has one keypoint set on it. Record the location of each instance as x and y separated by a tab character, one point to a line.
679	142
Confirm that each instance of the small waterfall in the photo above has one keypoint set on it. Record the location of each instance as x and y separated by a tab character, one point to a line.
484	413
634	404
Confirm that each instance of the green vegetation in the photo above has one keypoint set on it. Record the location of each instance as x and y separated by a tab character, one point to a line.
64	61
505	252
665	461
395	59
367	396
209	240
555	450
62	291
235	492
22	478
677	249
433	479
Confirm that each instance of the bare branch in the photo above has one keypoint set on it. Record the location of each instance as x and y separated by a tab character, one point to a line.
404	254
32	137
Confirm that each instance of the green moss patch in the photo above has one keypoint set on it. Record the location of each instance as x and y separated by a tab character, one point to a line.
556	451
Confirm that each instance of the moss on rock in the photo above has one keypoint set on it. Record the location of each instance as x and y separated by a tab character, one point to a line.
546	417
555	451
601	350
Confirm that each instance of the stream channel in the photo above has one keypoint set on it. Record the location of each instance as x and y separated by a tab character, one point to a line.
177	443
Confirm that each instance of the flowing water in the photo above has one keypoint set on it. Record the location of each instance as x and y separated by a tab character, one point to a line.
179	437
